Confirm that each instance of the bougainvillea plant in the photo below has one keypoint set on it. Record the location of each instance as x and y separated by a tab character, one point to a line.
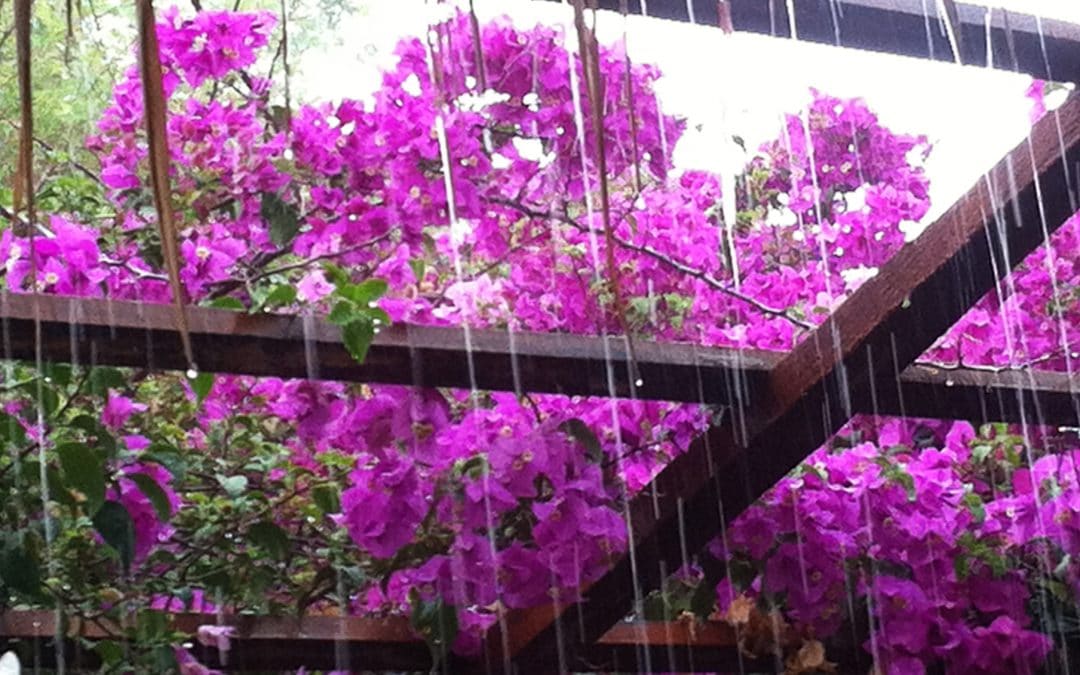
467	192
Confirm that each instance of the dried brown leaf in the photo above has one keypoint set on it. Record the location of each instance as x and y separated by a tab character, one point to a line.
154	112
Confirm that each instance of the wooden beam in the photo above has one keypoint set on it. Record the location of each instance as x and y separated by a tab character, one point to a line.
1032	396
1044	48
260	643
676	646
877	332
326	642
104	332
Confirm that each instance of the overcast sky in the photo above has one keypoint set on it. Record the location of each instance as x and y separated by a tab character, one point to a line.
972	116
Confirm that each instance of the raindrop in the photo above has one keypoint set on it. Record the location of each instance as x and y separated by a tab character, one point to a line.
639	382
949	382
192	373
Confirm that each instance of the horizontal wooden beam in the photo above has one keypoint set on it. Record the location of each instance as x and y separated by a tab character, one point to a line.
372	644
105	332
1032	396
260	643
1044	48
876	333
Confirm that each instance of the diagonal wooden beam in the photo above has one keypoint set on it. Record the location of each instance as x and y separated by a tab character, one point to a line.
104	332
1031	396
1044	48
881	329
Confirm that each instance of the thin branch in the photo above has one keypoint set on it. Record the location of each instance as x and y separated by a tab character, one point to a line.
228	285
323	256
126	264
48	147
665	259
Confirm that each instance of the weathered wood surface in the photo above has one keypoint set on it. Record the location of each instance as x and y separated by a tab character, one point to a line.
1031	396
1044	48
94	331
326	642
260	643
877	333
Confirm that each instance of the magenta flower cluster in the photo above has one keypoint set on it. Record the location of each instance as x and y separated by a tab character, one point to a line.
471	189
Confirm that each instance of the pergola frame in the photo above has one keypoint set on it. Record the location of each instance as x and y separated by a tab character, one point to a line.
858	361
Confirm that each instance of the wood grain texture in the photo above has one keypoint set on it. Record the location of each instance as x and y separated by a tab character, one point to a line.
118	333
368	644
877	333
1043	48
1031	396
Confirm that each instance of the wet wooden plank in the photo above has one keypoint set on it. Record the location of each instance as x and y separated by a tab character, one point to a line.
877	333
95	331
1020	396
1044	48
676	646
260	643
327	642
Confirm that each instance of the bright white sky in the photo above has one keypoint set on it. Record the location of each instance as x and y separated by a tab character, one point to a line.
741	84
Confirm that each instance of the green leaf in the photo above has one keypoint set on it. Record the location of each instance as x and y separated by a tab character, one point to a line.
980	452
11	431
365	293
343	313
59	492
110	652
357	336
378	316
655	608
151	625
270	538
975	505
153	492
336	275
50	401
234	485
279	296
703	601
19	570
418	268
114	524
436	621
83	470
168	457
58	374
201	384
164	659
282	218
327	498
96	430
227	303
580	432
